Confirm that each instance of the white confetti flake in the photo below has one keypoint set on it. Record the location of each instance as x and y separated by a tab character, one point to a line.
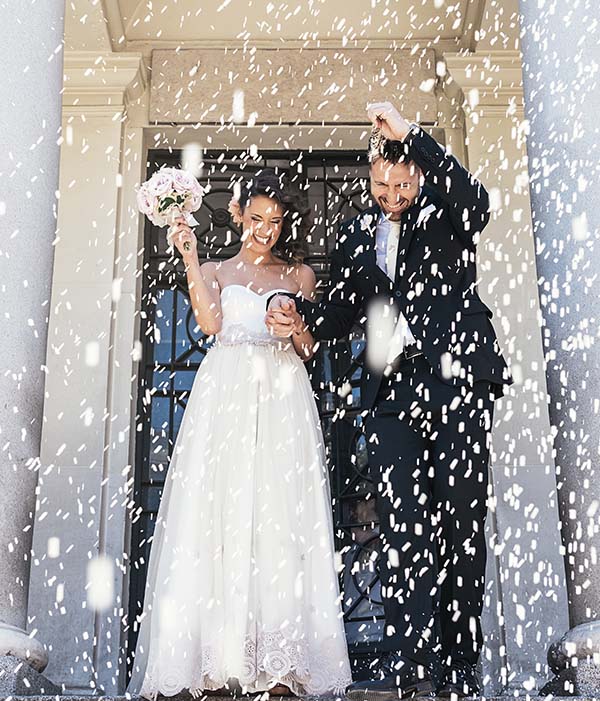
473	98
192	158
117	284
393	557
238	112
53	547
380	329
446	366
92	354
580	227
100	587
495	199
88	416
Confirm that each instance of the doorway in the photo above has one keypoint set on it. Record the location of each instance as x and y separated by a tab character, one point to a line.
335	184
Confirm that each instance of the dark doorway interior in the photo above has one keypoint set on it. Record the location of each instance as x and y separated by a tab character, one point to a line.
173	348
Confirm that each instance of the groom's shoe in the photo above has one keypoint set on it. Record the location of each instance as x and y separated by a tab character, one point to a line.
460	681
400	678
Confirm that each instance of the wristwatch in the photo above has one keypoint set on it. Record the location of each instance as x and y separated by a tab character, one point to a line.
413	128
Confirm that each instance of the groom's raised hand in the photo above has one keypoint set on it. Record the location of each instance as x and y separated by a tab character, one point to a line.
386	117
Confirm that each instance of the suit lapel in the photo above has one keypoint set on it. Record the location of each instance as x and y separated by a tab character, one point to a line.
411	220
369	219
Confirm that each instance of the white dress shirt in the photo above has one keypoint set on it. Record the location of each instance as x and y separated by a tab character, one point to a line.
387	235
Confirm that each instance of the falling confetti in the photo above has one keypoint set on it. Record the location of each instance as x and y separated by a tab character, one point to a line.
131	385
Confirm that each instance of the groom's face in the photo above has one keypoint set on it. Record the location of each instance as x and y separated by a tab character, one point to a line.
394	186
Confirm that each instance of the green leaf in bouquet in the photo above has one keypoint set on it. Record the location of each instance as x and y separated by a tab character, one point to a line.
166	202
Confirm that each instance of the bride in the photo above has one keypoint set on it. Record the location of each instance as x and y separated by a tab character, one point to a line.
241	587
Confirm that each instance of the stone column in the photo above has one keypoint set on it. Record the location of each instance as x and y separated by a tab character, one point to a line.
523	556
561	60
30	94
81	506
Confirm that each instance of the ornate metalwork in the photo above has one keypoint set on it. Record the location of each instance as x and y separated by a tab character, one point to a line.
173	348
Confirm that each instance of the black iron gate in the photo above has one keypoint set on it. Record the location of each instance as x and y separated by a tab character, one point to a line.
173	348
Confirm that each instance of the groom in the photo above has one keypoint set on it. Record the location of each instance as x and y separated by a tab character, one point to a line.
427	399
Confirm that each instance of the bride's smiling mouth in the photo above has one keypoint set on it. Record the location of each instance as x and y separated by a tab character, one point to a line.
263	240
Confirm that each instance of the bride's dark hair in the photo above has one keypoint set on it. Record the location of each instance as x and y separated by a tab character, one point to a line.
292	245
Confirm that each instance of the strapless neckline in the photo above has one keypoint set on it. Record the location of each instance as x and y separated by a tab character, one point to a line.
258	294
243	317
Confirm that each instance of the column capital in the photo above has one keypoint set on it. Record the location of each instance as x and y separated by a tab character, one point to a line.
102	84
492	80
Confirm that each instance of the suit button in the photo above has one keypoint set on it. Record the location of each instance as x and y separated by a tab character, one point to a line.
397	293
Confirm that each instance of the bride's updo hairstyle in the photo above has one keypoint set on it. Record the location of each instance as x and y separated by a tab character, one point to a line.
292	245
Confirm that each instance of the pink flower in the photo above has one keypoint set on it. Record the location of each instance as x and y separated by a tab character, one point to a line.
183	181
187	185
235	210
161	183
144	200
196	195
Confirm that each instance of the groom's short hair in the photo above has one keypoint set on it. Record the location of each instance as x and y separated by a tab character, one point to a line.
392	151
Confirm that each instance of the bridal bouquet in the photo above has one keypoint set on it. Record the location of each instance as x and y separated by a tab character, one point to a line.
170	193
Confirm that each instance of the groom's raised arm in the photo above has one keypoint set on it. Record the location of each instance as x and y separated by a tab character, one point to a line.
334	315
466	197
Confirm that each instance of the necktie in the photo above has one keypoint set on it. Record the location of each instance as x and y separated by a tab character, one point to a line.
391	254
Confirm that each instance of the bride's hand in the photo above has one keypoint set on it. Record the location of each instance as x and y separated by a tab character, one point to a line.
284	320
279	323
180	233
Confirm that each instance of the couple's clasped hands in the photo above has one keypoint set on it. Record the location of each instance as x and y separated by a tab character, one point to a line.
282	318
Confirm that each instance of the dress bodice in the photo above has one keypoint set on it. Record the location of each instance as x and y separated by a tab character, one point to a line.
244	315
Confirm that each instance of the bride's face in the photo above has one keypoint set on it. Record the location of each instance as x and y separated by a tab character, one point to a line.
262	221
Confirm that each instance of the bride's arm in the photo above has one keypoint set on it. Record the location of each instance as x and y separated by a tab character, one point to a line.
205	296
303	340
202	281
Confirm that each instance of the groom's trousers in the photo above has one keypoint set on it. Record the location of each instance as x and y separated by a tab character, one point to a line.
428	445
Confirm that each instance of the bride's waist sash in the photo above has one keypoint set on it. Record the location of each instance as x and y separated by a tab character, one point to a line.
240	335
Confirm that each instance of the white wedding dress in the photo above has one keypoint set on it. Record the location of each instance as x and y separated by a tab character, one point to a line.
241	580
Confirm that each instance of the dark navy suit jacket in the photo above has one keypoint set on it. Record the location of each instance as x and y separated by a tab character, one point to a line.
436	275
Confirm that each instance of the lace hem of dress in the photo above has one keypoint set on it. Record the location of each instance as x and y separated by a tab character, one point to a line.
238	334
268	659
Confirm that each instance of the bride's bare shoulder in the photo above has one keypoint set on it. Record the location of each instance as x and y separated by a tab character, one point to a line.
305	272
306	280
209	271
